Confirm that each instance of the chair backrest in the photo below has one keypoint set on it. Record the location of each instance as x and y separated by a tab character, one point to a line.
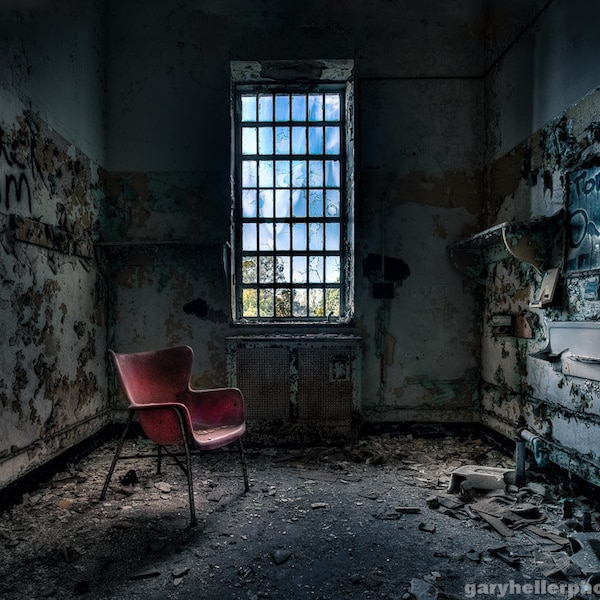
156	376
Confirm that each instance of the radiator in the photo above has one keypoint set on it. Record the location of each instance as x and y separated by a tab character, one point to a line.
297	388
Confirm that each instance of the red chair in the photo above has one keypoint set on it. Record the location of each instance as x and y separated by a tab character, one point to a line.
157	386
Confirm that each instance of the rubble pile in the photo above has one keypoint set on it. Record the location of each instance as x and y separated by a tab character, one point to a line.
394	516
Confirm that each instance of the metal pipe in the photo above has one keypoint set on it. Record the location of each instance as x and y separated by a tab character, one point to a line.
540	452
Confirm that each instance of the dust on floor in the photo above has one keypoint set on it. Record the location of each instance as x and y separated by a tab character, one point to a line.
372	520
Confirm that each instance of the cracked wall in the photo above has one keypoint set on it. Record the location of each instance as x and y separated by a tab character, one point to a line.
52	294
420	112
53	322
527	181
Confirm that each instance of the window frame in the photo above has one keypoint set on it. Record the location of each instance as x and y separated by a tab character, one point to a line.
303	78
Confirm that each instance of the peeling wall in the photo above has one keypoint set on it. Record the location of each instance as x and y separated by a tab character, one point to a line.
52	295
419	91
53	321
526	181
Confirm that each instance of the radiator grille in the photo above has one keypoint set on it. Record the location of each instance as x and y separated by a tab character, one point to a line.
297	384
325	382
264	374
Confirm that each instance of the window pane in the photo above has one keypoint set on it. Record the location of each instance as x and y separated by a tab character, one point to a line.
332	107
265	204
265	173
266	299
332	302
266	269
332	236
265	236
332	171
249	173
332	269
298	140
299	173
315	269
298	236
315	203
282	108
249	303
315	173
282	204
283	240
282	140
300	303
315	140
265	108
299	269
249	204
283	301
249	237
249	140
248	108
283	269
265	140
315	107
316	306
299	203
332	140
283	173
249	270
315	236
299	108
332	199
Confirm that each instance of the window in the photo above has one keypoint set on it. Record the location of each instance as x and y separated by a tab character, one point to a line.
292	201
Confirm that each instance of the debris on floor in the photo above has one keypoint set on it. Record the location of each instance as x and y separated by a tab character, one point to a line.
392	517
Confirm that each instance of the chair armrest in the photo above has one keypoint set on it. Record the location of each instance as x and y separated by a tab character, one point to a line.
214	407
165	423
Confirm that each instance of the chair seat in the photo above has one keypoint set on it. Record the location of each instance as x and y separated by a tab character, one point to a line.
215	437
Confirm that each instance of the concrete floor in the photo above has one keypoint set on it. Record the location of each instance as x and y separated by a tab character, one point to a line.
374	520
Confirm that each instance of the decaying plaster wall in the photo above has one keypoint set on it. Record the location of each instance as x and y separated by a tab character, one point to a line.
53	298
52	294
526	181
419	124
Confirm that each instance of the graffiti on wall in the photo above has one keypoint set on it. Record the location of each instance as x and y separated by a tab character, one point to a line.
583	252
15	188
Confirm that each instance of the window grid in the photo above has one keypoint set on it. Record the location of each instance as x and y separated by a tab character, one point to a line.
291	152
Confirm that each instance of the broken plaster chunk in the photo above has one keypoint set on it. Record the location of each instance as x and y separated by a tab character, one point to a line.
281	556
179	572
145	573
423	590
537	488
163	486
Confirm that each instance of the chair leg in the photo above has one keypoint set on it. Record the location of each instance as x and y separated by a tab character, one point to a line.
244	469
116	456
159	460
188	458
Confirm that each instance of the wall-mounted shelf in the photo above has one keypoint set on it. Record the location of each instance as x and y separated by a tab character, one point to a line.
538	242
